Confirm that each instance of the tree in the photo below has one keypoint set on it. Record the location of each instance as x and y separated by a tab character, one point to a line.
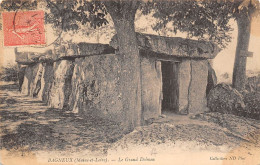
245	10
123	15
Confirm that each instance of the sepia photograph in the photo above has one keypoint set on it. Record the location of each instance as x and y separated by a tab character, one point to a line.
135	82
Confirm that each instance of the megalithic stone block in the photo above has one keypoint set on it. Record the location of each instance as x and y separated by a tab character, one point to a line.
174	46
61	84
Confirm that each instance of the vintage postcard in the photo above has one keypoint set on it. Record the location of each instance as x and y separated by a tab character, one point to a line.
115	82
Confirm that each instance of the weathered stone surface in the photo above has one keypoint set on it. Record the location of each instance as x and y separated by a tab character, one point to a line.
61	85
65	51
151	88
81	49
223	98
29	58
174	46
198	84
46	82
184	84
95	87
36	81
27	81
24	58
21	73
28	86
212	79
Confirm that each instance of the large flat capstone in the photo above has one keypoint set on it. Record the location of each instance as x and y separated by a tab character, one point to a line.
174	46
64	51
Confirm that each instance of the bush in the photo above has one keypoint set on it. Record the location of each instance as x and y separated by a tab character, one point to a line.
9	73
253	83
225	99
252	102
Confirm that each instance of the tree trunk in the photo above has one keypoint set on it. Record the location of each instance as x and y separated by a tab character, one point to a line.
123	15
239	71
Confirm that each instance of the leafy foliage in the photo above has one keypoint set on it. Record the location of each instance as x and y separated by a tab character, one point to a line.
225	99
9	73
201	19
18	5
252	101
68	14
206	19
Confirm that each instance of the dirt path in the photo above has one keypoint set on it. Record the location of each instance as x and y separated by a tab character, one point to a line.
28	124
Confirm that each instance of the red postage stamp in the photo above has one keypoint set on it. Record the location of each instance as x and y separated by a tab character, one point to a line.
23	28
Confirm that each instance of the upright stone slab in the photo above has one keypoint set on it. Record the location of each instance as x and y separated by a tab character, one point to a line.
95	87
198	85
46	82
36	81
29	77
27	81
212	78
61	85
21	73
184	85
76	98
151	88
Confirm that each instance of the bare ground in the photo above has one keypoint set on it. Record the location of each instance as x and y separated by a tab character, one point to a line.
208	129
28	125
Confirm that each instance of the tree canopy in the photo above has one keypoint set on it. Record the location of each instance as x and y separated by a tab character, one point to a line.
207	19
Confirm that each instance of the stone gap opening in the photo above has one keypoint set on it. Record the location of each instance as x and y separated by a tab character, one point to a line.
170	86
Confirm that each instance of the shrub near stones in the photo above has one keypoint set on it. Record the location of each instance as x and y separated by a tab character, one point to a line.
9	73
252	102
223	98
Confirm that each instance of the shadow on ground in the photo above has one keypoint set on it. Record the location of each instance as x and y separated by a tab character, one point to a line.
27	124
9	86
